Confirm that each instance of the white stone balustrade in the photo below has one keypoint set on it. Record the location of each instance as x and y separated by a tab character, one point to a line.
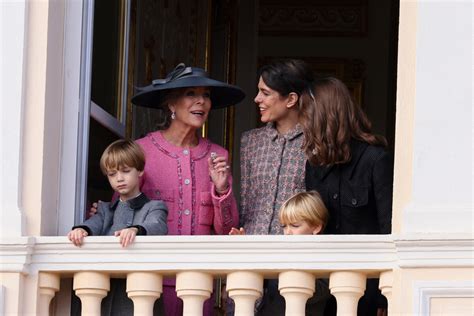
48	284
144	288
196	260
386	285
296	287
244	287
193	288
347	287
91	288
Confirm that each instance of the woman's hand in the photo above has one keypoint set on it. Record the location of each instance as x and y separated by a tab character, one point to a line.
219	172
126	235
77	236
93	209
235	231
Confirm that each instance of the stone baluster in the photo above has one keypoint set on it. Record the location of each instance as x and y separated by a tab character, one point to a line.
91	288
347	287
296	287
144	288
244	287
193	288
48	286
386	285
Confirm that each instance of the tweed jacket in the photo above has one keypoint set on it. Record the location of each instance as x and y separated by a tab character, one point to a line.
148	216
272	170
180	177
358	194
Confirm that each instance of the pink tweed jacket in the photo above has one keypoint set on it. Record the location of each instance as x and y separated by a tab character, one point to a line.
180	177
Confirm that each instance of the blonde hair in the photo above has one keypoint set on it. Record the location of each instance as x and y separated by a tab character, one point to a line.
122	153
304	206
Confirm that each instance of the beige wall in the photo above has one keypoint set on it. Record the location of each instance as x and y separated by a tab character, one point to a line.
42	115
404	129
13	289
451	306
407	281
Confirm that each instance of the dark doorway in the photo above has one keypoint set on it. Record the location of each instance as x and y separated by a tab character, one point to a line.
355	40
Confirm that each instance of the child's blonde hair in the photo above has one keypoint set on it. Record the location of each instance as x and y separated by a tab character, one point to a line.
122	153
304	206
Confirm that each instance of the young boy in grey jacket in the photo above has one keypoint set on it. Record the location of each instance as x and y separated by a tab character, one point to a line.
132	213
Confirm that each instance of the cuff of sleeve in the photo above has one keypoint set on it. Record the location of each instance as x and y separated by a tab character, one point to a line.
220	197
141	229
87	229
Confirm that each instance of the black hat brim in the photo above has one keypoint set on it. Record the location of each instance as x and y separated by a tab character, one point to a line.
222	94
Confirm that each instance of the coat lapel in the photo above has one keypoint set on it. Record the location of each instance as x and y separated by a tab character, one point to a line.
320	172
357	149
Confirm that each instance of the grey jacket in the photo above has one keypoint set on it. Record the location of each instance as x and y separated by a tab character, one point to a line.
149	216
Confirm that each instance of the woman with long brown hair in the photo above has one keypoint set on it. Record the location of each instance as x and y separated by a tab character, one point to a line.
347	164
350	167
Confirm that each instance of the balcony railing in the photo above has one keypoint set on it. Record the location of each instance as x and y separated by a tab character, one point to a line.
243	260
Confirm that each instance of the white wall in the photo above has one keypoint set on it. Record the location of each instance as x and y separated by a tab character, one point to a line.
12	37
443	124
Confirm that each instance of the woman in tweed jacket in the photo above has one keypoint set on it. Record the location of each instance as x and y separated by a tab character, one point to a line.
272	161
271	158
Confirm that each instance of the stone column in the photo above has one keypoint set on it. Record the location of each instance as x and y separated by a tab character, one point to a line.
144	288
193	288
385	285
296	287
347	287
48	286
244	287
91	288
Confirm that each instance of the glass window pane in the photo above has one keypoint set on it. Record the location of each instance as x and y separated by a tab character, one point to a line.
106	56
98	187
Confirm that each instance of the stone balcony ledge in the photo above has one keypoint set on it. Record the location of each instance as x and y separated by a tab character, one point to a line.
268	255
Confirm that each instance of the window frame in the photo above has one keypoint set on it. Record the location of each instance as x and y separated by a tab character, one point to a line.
79	108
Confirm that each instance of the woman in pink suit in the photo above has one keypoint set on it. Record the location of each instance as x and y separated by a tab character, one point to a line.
189	173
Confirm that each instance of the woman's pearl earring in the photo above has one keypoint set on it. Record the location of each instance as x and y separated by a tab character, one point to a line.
173	115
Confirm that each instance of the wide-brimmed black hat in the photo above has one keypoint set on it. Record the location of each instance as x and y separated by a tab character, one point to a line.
222	94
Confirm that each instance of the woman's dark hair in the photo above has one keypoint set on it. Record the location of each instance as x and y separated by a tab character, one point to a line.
331	121
286	76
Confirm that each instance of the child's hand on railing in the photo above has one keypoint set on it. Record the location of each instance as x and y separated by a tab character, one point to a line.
77	236
126	235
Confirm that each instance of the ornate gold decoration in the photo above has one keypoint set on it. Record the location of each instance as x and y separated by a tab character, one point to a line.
313	18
